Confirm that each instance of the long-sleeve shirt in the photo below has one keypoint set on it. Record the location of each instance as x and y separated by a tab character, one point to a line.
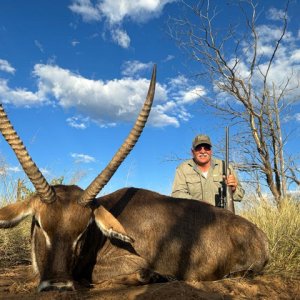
191	183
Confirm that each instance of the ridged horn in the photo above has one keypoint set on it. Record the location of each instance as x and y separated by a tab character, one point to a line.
42	187
101	180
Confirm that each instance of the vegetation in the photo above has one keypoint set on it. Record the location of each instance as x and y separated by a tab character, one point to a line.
15	245
282	226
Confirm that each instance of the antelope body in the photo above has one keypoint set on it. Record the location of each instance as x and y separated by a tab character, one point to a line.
132	236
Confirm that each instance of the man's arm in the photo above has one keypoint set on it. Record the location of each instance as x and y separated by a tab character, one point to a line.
180	189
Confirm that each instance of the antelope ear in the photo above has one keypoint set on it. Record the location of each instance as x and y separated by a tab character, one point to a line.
110	226
12	214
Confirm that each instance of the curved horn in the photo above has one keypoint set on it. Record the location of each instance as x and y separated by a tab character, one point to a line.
100	181
42	187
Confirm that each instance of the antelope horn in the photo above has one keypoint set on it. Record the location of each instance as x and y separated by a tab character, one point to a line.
100	181
42	187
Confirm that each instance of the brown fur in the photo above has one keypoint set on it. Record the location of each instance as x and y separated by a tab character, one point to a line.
186	239
174	238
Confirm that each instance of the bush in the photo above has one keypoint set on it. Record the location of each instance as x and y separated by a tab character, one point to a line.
282	227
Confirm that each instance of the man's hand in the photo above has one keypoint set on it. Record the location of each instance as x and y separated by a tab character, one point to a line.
231	181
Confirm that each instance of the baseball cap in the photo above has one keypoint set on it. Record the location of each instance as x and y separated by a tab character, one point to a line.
201	139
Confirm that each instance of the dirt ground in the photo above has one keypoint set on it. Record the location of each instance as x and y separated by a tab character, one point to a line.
18	283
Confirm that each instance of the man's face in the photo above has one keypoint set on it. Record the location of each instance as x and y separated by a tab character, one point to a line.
202	154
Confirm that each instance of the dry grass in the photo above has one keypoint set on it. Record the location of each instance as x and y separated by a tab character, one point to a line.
282	227
14	242
15	245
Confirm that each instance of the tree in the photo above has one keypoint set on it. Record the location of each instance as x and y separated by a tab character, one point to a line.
248	92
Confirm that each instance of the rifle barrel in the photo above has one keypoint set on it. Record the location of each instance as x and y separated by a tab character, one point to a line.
229	197
227	151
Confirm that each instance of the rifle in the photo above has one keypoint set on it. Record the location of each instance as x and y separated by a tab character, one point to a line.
228	197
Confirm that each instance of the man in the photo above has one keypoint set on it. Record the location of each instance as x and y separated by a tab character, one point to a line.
201	178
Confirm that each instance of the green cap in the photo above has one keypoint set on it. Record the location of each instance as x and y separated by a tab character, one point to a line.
201	139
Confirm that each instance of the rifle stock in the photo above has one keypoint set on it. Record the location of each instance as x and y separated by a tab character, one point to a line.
229	197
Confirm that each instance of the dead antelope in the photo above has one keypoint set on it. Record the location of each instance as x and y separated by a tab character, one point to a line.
77	237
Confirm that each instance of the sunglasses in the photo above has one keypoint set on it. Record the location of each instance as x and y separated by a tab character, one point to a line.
206	147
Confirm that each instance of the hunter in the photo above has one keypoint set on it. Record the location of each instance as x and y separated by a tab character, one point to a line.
203	176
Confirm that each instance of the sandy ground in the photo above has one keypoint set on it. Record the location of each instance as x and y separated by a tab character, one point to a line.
19	283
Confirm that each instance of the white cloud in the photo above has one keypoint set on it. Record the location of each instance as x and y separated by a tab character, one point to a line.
120	37
275	14
74	43
241	68
292	117
295	55
18	96
78	122
285	68
184	91
168	58
86	10
45	171
14	169
117	100
161	119
170	113
271	33
132	68
140	10
116	12
107	102
180	80
6	67
82	158
39	46
193	95
6	169
267	37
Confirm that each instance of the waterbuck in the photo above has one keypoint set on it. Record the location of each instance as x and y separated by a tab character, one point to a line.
132	236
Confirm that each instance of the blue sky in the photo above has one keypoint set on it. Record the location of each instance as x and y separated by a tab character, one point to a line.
74	74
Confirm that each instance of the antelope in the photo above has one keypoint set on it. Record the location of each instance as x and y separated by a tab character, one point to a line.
131	236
